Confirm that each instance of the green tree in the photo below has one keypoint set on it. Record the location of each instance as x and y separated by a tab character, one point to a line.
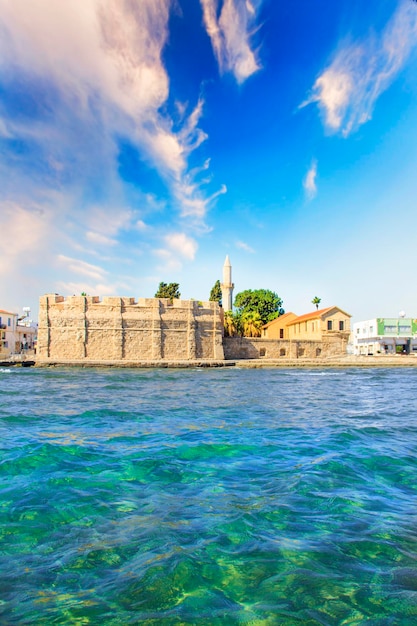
216	293
233	326
252	324
316	301
263	301
170	290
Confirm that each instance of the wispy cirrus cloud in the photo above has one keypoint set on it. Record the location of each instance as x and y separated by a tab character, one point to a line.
347	90
81	267
244	246
230	35
309	182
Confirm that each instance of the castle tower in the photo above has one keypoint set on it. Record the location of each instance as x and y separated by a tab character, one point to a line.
227	286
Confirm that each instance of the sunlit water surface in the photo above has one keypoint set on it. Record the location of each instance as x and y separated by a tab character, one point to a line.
212	496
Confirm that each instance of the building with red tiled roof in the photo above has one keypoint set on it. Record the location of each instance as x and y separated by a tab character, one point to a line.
316	325
312	326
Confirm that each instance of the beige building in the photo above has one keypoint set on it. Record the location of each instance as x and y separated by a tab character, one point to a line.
278	328
318	325
315	326
320	333
8	323
84	328
16	335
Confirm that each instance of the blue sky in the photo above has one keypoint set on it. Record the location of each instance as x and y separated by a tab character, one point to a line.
142	141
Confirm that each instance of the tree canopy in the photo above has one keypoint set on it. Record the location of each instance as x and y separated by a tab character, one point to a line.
170	290
216	292
316	300
263	301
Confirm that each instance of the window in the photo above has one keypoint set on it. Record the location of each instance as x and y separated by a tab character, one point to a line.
358	330
341	325
318	351
390	330
371	330
282	352
306	326
329	325
262	352
8	321
405	329
312	326
281	333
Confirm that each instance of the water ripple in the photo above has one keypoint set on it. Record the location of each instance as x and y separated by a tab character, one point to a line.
187	497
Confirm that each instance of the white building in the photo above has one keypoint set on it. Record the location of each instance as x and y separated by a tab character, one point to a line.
384	335
16	334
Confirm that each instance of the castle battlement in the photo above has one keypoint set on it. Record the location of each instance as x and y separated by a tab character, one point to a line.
124	301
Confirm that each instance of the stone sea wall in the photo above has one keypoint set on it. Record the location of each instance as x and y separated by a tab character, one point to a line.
85	328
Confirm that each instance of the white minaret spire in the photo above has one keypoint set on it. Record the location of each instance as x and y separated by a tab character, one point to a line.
227	286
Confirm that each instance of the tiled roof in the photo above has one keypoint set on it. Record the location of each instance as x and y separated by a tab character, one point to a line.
281	317
312	316
7	312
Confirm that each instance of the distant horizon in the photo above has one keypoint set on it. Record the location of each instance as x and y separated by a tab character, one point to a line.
144	142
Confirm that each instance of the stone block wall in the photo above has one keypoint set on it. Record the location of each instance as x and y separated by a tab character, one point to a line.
117	329
258	348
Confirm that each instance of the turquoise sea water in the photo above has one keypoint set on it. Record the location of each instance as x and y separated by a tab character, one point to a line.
212	496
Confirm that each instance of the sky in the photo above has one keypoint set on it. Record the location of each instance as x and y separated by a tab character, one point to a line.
144	140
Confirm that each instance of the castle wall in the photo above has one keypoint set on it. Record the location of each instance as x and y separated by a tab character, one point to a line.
122	329
257	348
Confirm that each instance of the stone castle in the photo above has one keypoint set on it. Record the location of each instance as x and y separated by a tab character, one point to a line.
85	328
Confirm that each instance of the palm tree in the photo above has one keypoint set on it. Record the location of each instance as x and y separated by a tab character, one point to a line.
229	324
316	301
252	324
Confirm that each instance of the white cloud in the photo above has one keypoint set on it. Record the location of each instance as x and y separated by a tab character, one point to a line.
27	242
4	130
179	247
140	225
81	267
230	35
191	201
99	239
90	288
309	182
244	246
181	244
27	230
347	90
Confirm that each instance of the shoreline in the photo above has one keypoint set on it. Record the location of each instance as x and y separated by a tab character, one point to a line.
347	361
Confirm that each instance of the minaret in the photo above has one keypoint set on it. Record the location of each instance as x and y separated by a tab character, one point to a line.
227	286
